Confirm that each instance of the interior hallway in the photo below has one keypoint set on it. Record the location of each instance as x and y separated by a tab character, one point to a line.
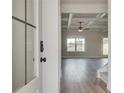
79	75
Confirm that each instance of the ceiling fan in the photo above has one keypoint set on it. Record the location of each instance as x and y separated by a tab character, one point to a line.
81	29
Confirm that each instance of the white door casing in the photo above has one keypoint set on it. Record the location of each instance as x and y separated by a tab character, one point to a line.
51	38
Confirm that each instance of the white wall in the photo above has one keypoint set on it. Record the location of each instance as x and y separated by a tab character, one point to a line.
93	43
84	8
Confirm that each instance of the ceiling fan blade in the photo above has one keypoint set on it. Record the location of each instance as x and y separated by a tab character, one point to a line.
86	28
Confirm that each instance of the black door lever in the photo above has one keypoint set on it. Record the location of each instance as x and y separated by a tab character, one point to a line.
42	59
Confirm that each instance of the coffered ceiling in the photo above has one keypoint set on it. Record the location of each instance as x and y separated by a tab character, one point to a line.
93	21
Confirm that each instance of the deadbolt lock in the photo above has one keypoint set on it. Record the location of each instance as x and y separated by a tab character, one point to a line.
42	59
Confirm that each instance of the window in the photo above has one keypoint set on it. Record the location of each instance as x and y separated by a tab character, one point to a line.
105	46
75	44
80	44
71	44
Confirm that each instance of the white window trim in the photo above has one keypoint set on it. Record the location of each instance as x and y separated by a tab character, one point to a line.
75	46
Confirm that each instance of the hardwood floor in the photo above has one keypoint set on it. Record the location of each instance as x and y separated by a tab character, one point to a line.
79	75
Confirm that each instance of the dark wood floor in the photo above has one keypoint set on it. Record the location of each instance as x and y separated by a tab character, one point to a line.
79	75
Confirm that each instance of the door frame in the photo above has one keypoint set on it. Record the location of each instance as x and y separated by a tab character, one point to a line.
109	43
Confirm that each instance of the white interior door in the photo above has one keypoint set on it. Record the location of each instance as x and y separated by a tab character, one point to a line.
40	77
27	68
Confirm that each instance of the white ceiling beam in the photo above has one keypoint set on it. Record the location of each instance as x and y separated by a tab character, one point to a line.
101	15
69	20
98	15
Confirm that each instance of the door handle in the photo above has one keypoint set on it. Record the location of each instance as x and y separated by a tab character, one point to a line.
41	46
43	59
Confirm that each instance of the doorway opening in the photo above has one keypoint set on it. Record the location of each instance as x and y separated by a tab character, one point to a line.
84	36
